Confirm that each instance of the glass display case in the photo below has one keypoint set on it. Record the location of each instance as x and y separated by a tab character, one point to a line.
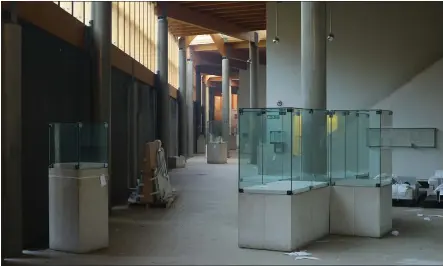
282	150
292	149
357	152
78	145
214	131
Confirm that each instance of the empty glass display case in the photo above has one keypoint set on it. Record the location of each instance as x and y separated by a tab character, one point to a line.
357	150
214	131
78	145
282	150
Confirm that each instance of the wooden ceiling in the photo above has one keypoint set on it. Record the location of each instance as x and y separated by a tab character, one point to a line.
188	18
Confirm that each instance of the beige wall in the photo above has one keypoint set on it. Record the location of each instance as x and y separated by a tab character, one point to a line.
384	56
379	46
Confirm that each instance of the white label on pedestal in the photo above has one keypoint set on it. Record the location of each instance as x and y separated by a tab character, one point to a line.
103	180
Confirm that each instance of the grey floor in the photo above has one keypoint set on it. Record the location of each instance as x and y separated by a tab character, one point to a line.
201	228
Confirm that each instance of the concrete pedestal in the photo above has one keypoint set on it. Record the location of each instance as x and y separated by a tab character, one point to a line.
282	222
232	142
217	153
78	208
361	210
201	144
176	162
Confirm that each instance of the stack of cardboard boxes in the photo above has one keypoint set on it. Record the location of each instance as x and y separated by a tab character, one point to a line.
150	164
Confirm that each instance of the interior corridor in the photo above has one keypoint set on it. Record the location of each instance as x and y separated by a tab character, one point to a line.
201	228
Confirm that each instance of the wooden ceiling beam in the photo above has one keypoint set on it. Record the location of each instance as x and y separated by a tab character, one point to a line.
242	20
243	14
205	47
233	79
238	10
183	13
245	45
189	39
202	58
215	3
216	70
241	5
219	43
234	45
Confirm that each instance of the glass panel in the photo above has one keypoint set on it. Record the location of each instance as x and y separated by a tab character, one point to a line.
250	128
214	129
363	149
78	145
277	149
296	145
385	150
375	141
337	145
93	145
63	144
351	148
314	147
356	146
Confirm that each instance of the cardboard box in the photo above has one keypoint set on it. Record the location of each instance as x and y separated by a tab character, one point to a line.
150	164
150	160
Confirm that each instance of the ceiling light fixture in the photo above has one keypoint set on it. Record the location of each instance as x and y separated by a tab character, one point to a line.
276	38
330	35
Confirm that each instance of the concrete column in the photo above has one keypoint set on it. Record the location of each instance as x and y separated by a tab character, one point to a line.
134	133
183	133
162	72
230	109
313	54
198	95
253	75
206	90
253	98
313	85
101	14
225	98
211	106
11	68
190	105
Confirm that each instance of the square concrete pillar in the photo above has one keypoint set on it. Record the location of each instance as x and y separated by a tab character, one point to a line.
361	210
78	208
275	221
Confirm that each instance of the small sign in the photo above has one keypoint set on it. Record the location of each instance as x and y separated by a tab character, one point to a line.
273	117
103	181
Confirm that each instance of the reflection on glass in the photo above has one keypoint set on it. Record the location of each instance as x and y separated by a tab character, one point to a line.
214	131
291	150
314	145
250	125
337	144
78	145
357	155
287	149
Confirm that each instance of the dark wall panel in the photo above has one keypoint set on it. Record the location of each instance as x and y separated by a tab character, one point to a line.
173	149
146	119
120	83
56	88
123	177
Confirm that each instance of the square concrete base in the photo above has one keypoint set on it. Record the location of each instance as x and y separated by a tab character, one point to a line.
78	208
282	222
361	210
176	162
201	144
232	142
217	153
